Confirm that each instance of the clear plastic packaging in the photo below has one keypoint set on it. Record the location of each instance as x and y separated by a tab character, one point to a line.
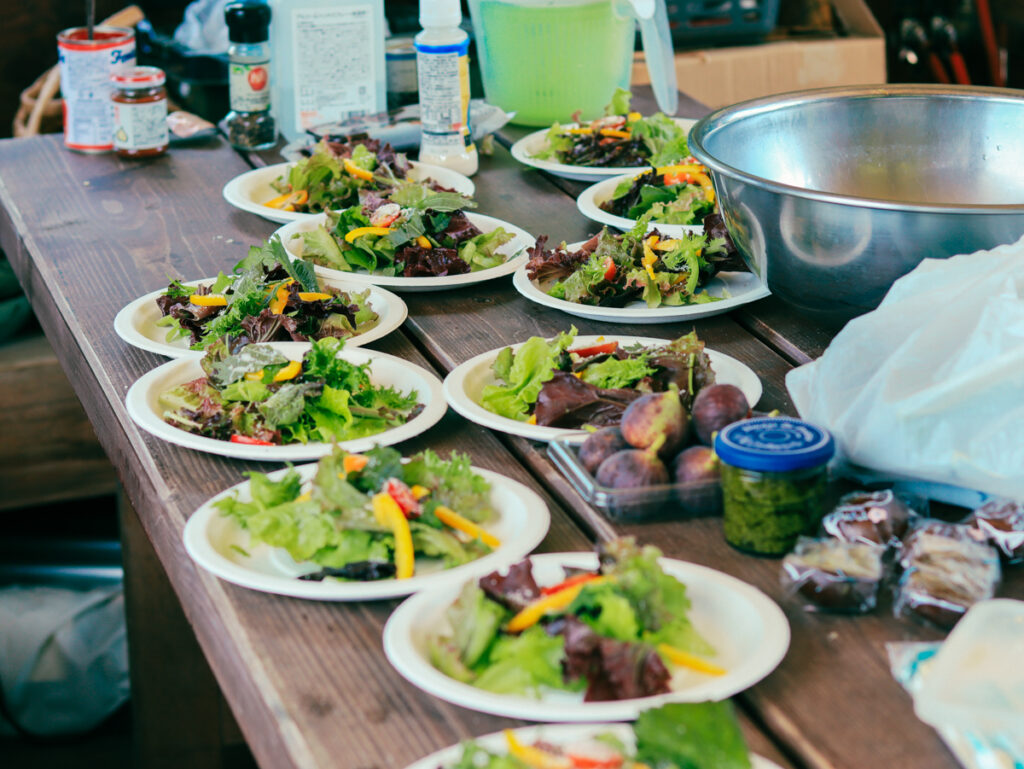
834	575
874	517
973	692
1001	521
946	571
665	501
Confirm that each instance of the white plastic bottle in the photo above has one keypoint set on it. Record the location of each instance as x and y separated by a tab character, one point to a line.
327	63
442	64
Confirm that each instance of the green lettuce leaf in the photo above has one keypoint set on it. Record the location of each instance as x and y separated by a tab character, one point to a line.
614	373
521	664
452	483
703	735
481	252
475	620
320	246
532	365
249	360
608	611
619	105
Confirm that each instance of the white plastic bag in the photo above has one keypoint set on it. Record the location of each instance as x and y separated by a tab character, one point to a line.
930	385
63	657
203	29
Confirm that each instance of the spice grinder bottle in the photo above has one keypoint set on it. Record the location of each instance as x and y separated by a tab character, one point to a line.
250	124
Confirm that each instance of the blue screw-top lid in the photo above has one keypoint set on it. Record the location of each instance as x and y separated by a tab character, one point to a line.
774	445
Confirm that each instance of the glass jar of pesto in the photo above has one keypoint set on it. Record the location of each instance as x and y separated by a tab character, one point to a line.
774	473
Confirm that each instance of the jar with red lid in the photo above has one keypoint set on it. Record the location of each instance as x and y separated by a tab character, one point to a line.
140	112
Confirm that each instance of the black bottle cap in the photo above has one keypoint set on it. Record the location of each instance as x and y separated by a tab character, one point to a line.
247	22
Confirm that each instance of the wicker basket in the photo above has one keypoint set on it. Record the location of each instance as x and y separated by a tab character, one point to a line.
41	107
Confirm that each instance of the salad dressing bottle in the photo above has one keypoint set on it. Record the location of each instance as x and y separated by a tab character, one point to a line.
442	63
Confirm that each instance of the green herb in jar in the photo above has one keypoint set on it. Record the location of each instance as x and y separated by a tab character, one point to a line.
765	513
774	476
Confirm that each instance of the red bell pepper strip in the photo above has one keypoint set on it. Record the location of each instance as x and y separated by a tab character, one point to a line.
237	438
577	579
597	349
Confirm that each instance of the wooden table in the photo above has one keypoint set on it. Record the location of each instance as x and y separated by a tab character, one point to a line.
307	682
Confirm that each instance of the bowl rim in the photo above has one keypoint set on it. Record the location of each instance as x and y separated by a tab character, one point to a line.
735	113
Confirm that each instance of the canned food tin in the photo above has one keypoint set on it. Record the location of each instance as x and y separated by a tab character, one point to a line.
85	69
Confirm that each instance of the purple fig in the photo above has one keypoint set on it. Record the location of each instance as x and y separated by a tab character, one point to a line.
697	464
656	420
632	469
599	446
715	407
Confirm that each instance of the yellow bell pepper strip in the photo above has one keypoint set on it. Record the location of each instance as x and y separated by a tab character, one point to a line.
615	133
534	757
532	420
683	659
665	245
422	242
280	300
289	200
649	257
254	376
632	117
449	517
313	296
535	610
419	492
358	232
580	131
356	171
304	497
208	300
388	513
292	370
354	463
686	168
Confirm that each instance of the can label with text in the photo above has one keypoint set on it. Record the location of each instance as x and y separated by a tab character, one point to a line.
85	69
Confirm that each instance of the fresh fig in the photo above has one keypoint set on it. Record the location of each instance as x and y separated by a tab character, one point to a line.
697	464
632	469
599	446
715	407
656	420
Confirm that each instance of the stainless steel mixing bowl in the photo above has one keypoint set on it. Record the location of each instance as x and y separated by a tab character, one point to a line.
832	194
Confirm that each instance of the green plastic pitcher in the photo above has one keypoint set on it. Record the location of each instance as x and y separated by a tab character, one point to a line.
545	59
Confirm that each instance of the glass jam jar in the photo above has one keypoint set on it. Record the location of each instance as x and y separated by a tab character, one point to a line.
774	477
140	112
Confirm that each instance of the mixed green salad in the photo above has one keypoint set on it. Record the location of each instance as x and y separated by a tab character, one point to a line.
682	735
621	138
611	270
267	298
370	516
338	175
253	394
614	634
411	231
675	194
548	382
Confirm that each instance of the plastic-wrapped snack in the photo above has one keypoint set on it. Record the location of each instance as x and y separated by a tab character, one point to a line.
1002	522
945	574
833	574
878	517
931	539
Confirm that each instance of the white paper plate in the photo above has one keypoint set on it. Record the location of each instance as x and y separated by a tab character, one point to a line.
739	288
214	540
463	386
385	370
747	629
561	735
136	322
524	150
590	200
249	191
514	250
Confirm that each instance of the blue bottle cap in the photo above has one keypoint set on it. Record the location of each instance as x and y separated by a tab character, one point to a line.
774	445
